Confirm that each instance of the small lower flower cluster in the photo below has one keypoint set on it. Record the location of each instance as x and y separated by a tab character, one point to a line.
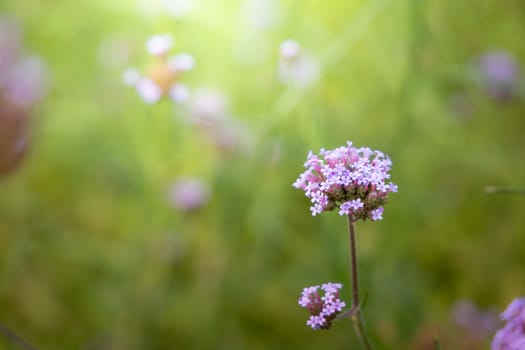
350	179
512	336
323	309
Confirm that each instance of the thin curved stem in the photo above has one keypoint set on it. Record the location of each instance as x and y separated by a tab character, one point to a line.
353	263
356	316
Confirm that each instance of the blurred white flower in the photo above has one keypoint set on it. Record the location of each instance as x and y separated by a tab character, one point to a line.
160	44
297	67
179	92
148	90
189	193
181	62
162	78
289	49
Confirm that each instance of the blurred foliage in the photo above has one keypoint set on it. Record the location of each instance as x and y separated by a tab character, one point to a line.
94	257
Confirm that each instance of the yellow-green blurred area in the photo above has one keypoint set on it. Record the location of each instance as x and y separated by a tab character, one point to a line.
93	254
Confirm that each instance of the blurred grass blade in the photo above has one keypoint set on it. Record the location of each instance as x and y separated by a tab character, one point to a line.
333	52
437	345
507	190
9	334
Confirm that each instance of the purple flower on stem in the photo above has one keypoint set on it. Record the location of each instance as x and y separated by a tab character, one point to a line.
323	309
353	180
512	335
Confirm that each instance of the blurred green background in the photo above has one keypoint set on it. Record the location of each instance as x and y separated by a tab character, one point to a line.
94	256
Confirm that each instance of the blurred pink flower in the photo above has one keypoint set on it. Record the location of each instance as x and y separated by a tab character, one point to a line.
289	49
148	90
208	107
500	74
189	193
475	321
23	82
209	112
23	78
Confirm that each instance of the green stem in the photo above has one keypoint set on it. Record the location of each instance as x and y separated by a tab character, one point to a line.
357	317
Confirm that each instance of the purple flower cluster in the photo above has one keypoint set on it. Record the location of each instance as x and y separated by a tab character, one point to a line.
352	180
512	336
323	309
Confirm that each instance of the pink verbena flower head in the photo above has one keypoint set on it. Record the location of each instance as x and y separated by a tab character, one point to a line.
512	336
348	179
323	308
23	83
